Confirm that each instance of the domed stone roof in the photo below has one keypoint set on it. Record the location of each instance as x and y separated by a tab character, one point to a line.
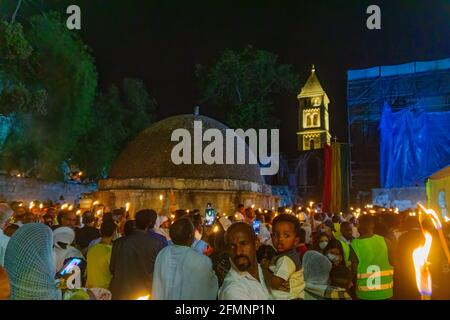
149	155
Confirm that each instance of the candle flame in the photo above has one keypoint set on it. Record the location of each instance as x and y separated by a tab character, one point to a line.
161	197
70	207
423	276
41	206
434	217
147	297
127	206
96	202
216	228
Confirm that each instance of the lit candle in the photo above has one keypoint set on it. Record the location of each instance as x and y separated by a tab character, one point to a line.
438	226
96	202
161	197
421	266
216	229
41	206
70	207
127	206
31	204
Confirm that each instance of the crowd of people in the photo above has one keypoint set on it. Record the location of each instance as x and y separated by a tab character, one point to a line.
293	254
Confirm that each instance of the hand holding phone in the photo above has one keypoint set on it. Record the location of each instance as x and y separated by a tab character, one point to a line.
209	215
256	226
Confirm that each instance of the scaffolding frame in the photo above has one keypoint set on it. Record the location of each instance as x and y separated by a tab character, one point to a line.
417	85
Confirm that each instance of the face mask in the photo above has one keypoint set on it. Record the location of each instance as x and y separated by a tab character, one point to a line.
197	235
333	257
323	244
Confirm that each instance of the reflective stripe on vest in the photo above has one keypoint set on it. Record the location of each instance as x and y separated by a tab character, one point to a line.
381	287
380	274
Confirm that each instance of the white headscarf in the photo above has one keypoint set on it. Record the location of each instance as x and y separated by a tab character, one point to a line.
65	235
29	263
316	268
159	221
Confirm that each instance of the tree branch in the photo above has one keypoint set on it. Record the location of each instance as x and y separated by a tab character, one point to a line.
13	19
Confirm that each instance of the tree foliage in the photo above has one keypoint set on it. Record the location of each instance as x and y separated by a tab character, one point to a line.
118	116
242	86
60	74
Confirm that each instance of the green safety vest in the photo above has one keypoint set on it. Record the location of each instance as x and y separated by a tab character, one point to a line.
374	274
337	233
346	249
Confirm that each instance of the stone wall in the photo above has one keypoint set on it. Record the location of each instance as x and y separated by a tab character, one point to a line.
401	198
223	194
15	189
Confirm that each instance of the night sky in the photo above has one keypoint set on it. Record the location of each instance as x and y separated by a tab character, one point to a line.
161	41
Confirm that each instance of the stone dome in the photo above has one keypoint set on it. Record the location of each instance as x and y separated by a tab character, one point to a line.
149	155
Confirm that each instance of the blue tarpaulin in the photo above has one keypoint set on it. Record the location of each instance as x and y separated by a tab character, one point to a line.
413	145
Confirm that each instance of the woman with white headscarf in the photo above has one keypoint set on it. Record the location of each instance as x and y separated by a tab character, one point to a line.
316	271
30	265
63	237
161	222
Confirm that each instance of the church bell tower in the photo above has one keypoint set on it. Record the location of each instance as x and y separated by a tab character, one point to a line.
314	128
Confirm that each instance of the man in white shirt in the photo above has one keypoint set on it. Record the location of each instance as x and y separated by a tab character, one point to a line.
5	214
180	272
245	280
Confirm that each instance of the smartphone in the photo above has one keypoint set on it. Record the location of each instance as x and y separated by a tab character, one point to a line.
256	226
68	267
209	216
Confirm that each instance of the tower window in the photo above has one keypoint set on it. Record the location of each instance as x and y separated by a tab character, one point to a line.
316	120
308	121
311	144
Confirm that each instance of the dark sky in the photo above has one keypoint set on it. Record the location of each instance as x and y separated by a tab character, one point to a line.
161	41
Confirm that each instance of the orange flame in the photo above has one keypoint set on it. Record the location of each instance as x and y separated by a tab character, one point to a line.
438	226
434	217
147	297
421	264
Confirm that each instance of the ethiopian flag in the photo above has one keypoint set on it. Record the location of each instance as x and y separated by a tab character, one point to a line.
336	177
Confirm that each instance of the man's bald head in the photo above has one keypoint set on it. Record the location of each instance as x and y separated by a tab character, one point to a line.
182	232
240	227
